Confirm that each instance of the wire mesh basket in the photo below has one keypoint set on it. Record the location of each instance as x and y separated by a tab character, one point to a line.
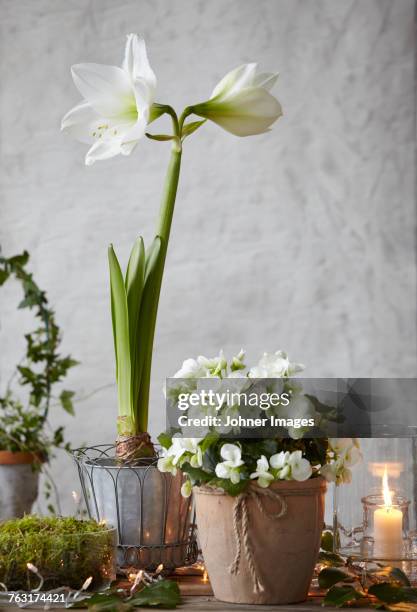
155	524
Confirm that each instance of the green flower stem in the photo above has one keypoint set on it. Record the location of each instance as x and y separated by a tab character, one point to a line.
163	231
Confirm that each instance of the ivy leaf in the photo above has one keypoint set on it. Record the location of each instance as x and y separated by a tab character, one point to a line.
66	401
332	575
105	602
340	595
162	594
327	541
3	276
19	260
392	574
330	559
393	593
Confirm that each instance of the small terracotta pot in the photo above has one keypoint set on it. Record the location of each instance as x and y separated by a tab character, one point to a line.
284	549
18	483
18	458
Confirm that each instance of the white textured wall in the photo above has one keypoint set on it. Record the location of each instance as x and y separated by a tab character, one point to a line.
303	238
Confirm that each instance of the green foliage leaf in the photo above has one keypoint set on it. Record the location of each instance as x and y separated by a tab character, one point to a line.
134	283
165	439
332	575
3	276
210	439
120	320
147	319
393	593
391	574
327	541
161	594
330	559
189	128
65	398
338	596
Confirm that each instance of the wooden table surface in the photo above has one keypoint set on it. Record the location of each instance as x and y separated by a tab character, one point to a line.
209	604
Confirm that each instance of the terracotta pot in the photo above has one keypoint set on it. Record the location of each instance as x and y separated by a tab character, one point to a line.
18	483
284	549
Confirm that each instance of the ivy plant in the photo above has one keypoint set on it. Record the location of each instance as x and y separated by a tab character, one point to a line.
25	406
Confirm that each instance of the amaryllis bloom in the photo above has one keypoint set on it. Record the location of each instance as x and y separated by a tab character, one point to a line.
241	103
117	103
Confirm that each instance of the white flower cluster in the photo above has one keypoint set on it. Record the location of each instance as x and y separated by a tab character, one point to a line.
271	365
343	454
229	462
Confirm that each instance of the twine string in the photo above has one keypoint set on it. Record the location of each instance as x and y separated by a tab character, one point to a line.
241	528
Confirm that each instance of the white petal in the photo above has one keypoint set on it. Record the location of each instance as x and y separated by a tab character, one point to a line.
107	88
234	81
136	62
102	149
81	122
249	112
266	80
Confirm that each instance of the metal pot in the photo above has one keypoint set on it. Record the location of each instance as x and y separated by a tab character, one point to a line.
154	522
19	484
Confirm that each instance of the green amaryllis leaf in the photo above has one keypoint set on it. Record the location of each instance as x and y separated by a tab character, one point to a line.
340	595
161	594
393	593
120	322
332	575
147	320
134	283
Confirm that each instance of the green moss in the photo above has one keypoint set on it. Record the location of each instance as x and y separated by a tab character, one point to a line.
65	550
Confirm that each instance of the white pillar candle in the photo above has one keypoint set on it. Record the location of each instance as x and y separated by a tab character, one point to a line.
388	526
388	536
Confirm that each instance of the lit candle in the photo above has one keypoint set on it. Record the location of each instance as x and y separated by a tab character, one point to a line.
388	526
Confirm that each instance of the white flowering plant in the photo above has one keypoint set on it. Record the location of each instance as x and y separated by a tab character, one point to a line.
119	108
232	463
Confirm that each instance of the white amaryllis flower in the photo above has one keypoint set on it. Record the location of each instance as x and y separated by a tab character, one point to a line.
275	365
117	103
229	468
262	472
300	467
241	103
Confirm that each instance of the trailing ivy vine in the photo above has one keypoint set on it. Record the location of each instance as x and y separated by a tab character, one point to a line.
24	423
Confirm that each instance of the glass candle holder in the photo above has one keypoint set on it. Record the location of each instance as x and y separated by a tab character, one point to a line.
385	528
374	515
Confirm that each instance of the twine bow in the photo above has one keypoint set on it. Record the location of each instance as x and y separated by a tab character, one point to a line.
241	529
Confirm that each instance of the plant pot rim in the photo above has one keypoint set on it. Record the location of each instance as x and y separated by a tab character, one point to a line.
20	457
283	486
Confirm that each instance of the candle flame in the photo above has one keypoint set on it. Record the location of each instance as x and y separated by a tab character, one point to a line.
385	490
205	576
